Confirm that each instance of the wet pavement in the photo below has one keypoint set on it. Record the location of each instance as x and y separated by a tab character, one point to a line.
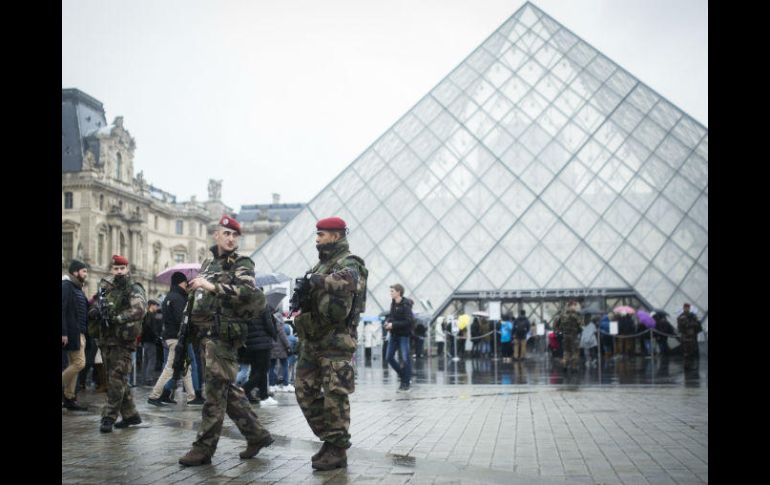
634	421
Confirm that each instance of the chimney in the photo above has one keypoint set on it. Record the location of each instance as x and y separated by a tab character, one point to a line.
276	199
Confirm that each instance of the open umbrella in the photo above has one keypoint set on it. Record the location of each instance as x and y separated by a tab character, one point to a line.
481	314
626	310
646	319
662	313
190	270
274	297
463	321
265	279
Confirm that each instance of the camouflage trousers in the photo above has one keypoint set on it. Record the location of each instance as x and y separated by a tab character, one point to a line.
324	379
690	353
571	350
224	397
117	360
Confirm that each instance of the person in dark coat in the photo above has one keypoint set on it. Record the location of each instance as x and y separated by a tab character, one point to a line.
259	344
400	322
667	330
173	314
74	327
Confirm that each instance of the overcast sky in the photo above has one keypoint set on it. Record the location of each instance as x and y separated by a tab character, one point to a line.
281	95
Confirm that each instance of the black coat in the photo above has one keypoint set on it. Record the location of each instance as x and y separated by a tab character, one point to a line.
402	317
173	312
521	326
74	319
152	327
261	332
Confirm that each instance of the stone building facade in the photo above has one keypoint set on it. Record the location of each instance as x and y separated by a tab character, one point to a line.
107	210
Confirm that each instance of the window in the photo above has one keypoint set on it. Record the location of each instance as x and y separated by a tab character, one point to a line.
179	226
101	202
156	222
179	257
200	229
66	246
118	166
68	200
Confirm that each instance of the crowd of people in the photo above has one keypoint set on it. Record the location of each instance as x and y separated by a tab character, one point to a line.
572	337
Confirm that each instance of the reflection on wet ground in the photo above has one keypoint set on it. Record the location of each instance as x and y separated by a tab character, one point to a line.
539	369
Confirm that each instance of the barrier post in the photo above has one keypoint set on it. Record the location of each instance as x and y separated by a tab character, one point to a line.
494	343
599	358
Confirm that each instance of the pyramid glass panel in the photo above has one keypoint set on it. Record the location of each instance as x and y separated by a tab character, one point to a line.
537	163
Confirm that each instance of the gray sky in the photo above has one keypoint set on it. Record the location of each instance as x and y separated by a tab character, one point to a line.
281	95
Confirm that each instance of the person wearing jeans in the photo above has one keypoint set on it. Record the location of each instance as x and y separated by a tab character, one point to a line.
400	322
280	352
173	313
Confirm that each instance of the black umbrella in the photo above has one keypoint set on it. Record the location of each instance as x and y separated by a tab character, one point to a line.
662	313
274	297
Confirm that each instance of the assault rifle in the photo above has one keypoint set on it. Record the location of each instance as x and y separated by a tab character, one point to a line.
301	292
102	307
180	354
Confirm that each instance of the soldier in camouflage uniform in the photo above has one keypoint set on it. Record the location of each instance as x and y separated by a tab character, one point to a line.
689	327
226	298
335	295
569	323
126	305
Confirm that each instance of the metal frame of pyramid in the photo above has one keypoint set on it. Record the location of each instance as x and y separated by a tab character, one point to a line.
537	163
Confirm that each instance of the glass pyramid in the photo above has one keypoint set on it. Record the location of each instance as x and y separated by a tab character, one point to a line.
537	163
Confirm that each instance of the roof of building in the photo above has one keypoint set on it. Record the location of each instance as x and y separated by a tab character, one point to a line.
81	116
282	212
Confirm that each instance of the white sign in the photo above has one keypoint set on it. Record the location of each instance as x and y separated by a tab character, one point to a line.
613	327
541	329
494	310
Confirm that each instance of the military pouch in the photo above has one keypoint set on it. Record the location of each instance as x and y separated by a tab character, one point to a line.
231	330
129	331
303	324
341	377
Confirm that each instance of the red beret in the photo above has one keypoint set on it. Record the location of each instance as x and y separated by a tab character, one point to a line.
230	223
118	260
331	224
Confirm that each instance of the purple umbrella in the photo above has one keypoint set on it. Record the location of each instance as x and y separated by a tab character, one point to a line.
190	270
645	318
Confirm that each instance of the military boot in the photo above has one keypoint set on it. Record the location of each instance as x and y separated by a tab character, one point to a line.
335	457
106	426
126	422
195	457
253	448
320	452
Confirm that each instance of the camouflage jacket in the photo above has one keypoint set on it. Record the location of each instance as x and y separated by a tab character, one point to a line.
236	297
688	326
127	306
334	281
568	322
